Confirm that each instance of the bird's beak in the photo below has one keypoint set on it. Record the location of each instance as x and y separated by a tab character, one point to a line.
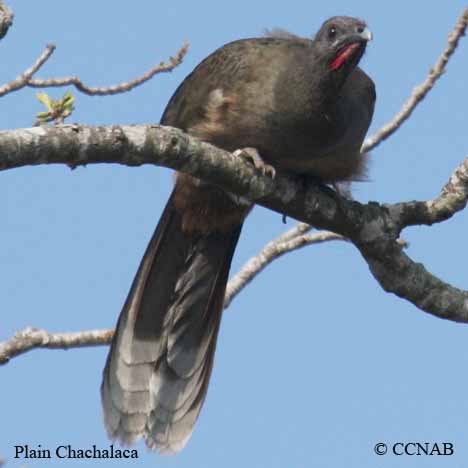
366	34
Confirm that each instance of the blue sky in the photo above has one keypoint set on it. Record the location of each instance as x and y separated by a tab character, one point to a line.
315	363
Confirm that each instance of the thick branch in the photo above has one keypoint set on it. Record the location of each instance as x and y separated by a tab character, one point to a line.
373	229
398	274
420	92
76	145
135	145
452	199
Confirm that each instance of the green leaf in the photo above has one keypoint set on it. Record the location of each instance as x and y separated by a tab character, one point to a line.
45	99
68	98
58	109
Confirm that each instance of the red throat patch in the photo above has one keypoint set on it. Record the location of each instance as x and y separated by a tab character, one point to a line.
343	54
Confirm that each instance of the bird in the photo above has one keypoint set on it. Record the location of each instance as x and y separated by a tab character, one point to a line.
284	103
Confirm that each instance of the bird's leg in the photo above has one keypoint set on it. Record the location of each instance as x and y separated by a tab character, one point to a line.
252	155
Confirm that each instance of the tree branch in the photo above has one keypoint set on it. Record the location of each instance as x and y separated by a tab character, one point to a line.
22	80
452	199
276	248
114	89
374	229
421	91
33	338
26	78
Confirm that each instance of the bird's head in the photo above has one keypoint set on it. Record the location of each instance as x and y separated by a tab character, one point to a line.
341	42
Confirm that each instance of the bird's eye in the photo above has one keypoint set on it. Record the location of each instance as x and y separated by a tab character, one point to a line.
332	32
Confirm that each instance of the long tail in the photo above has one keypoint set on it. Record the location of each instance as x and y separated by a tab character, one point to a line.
157	371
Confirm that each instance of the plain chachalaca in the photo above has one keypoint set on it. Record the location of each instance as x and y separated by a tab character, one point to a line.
299	105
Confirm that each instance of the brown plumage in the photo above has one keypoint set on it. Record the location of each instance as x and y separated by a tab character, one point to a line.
305	107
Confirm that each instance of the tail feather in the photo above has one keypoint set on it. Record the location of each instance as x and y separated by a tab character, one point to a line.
200	288
157	371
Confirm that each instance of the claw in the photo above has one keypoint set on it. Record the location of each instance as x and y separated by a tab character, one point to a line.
252	155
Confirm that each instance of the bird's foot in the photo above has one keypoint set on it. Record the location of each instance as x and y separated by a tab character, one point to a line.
252	155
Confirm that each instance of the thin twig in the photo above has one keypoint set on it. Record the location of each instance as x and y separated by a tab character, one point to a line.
32	338
297	230
273	250
420	92
114	89
22	80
